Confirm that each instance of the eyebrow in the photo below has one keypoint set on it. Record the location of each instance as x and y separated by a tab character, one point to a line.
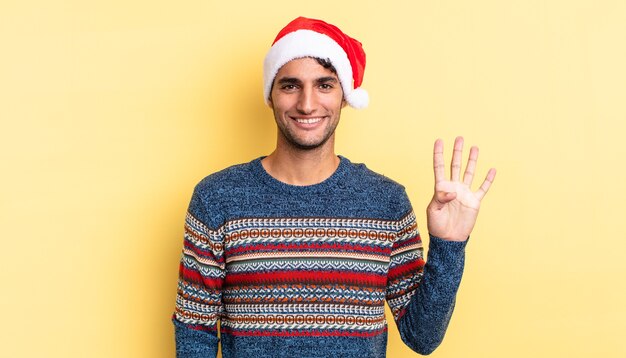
289	81
327	79
296	81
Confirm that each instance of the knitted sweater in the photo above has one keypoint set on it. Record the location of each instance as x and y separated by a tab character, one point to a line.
304	271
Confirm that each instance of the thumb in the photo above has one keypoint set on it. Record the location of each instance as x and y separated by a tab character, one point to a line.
444	197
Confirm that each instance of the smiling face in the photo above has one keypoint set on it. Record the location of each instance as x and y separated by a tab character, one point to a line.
307	100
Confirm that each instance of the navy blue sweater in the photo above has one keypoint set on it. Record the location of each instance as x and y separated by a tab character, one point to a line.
304	271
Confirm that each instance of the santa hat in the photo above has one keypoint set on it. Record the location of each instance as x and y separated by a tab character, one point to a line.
305	37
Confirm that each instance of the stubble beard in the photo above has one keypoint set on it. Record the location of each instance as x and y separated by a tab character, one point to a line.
298	144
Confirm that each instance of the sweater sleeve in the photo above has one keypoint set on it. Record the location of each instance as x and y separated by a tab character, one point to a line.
422	294
201	276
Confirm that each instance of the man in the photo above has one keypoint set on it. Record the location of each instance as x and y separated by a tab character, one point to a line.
295	253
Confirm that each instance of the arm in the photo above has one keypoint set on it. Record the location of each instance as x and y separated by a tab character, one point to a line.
421	294
429	297
201	275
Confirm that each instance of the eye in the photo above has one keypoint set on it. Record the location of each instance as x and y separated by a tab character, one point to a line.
289	87
326	86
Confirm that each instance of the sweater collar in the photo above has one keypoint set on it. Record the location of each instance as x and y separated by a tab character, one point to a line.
328	184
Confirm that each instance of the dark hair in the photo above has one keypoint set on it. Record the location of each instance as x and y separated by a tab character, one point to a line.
324	62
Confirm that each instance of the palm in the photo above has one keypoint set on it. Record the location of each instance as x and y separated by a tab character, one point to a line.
454	208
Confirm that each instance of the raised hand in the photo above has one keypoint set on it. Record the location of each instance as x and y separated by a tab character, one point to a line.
454	208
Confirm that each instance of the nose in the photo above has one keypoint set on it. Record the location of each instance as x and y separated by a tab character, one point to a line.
306	101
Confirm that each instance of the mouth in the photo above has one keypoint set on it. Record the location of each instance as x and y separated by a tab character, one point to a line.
312	120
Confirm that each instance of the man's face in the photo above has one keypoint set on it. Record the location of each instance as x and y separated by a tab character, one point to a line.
307	100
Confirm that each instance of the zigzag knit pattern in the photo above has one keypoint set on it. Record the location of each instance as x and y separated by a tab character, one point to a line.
284	268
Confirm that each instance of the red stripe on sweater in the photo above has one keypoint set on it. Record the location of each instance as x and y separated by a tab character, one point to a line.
410	241
410	267
200	251
351	278
194	276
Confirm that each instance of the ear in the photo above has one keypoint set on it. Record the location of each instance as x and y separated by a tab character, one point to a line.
344	103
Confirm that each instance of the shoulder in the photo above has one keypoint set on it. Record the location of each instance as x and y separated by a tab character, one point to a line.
214	192
227	179
361	176
386	192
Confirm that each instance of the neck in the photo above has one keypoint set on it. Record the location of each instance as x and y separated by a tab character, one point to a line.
302	167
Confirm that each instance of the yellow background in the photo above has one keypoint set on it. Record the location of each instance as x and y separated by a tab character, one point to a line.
111	111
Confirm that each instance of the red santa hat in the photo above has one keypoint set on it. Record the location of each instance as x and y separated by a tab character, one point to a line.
305	37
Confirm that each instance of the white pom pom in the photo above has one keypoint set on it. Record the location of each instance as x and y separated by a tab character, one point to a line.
358	98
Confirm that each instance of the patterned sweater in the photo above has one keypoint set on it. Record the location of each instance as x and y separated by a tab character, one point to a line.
304	271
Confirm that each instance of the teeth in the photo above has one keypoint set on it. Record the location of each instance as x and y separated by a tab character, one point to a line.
308	120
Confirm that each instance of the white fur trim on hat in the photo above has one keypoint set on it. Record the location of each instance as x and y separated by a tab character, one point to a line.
307	43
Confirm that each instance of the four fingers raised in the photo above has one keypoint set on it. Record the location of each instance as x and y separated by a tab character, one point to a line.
455	166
